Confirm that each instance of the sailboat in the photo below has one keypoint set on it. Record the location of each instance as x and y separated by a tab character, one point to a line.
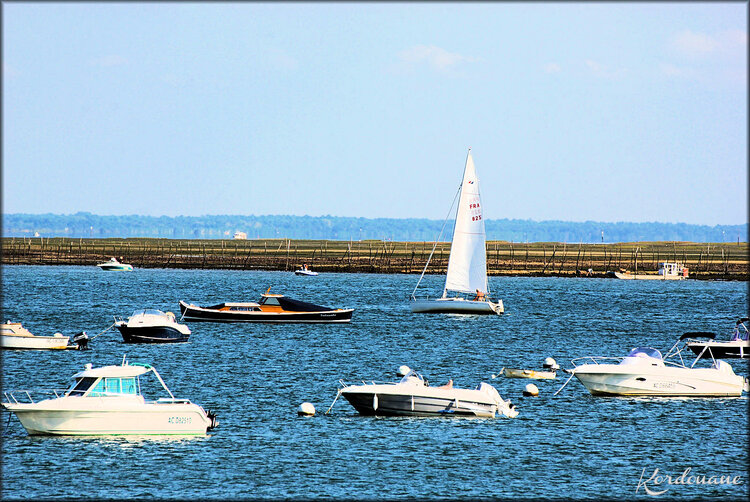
466	288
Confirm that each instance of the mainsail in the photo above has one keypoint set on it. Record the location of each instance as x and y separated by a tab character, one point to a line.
467	265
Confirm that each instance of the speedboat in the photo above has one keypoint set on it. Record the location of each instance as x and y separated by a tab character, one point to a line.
152	326
304	270
270	308
412	396
108	401
737	347
113	264
15	336
644	372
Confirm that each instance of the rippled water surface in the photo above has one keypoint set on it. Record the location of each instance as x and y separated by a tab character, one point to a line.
255	376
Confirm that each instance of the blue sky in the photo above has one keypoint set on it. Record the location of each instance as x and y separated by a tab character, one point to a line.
606	112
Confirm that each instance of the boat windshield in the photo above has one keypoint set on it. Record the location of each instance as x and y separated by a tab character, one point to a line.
413	377
269	300
147	312
645	352
114	386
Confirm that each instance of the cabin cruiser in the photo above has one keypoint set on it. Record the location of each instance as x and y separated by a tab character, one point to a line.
270	308
113	264
152	326
108	401
14	336
644	372
667	272
412	396
737	347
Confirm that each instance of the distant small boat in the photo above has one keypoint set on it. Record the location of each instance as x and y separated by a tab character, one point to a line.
15	336
152	326
667	272
113	264
305	271
270	308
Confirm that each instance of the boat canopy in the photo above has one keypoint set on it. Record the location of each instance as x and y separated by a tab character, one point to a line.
298	306
698	334
645	352
128	370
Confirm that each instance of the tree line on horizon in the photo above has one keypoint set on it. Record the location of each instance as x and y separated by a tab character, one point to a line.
83	224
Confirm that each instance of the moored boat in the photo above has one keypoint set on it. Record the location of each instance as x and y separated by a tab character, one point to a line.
466	289
108	401
152	326
737	347
113	264
305	270
644	372
270	308
667	272
412	396
14	336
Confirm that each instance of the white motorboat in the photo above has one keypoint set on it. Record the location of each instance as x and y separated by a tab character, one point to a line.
667	272
644	372
413	396
113	264
305	270
466	278
108	401
152	326
15	336
737	347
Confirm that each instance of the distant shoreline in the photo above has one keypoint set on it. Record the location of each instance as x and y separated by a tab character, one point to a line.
713	261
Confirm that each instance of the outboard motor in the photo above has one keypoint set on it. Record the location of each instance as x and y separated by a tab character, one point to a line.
82	340
212	418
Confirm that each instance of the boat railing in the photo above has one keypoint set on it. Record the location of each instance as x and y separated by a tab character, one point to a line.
25	396
595	360
343	384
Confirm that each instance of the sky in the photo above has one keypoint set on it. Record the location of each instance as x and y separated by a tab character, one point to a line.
595	111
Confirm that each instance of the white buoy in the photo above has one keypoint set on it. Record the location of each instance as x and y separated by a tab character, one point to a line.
551	364
403	370
531	390
306	409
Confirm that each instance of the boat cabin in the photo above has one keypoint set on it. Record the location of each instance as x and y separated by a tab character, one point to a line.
108	381
672	269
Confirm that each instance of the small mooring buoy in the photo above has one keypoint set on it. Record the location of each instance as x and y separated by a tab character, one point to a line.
403	370
306	409
551	364
531	390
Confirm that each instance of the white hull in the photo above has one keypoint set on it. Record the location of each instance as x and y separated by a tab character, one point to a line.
654	277
456	306
619	380
417	400
34	342
66	416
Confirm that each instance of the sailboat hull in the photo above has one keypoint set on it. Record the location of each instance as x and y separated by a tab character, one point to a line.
456	306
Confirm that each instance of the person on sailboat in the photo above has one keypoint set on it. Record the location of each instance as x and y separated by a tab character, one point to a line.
479	297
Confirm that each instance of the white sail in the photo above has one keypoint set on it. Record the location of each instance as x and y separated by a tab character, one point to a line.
467	265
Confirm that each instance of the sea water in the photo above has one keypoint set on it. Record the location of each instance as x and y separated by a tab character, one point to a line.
255	376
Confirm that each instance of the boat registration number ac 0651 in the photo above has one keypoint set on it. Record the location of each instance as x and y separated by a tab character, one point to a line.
663	385
180	420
